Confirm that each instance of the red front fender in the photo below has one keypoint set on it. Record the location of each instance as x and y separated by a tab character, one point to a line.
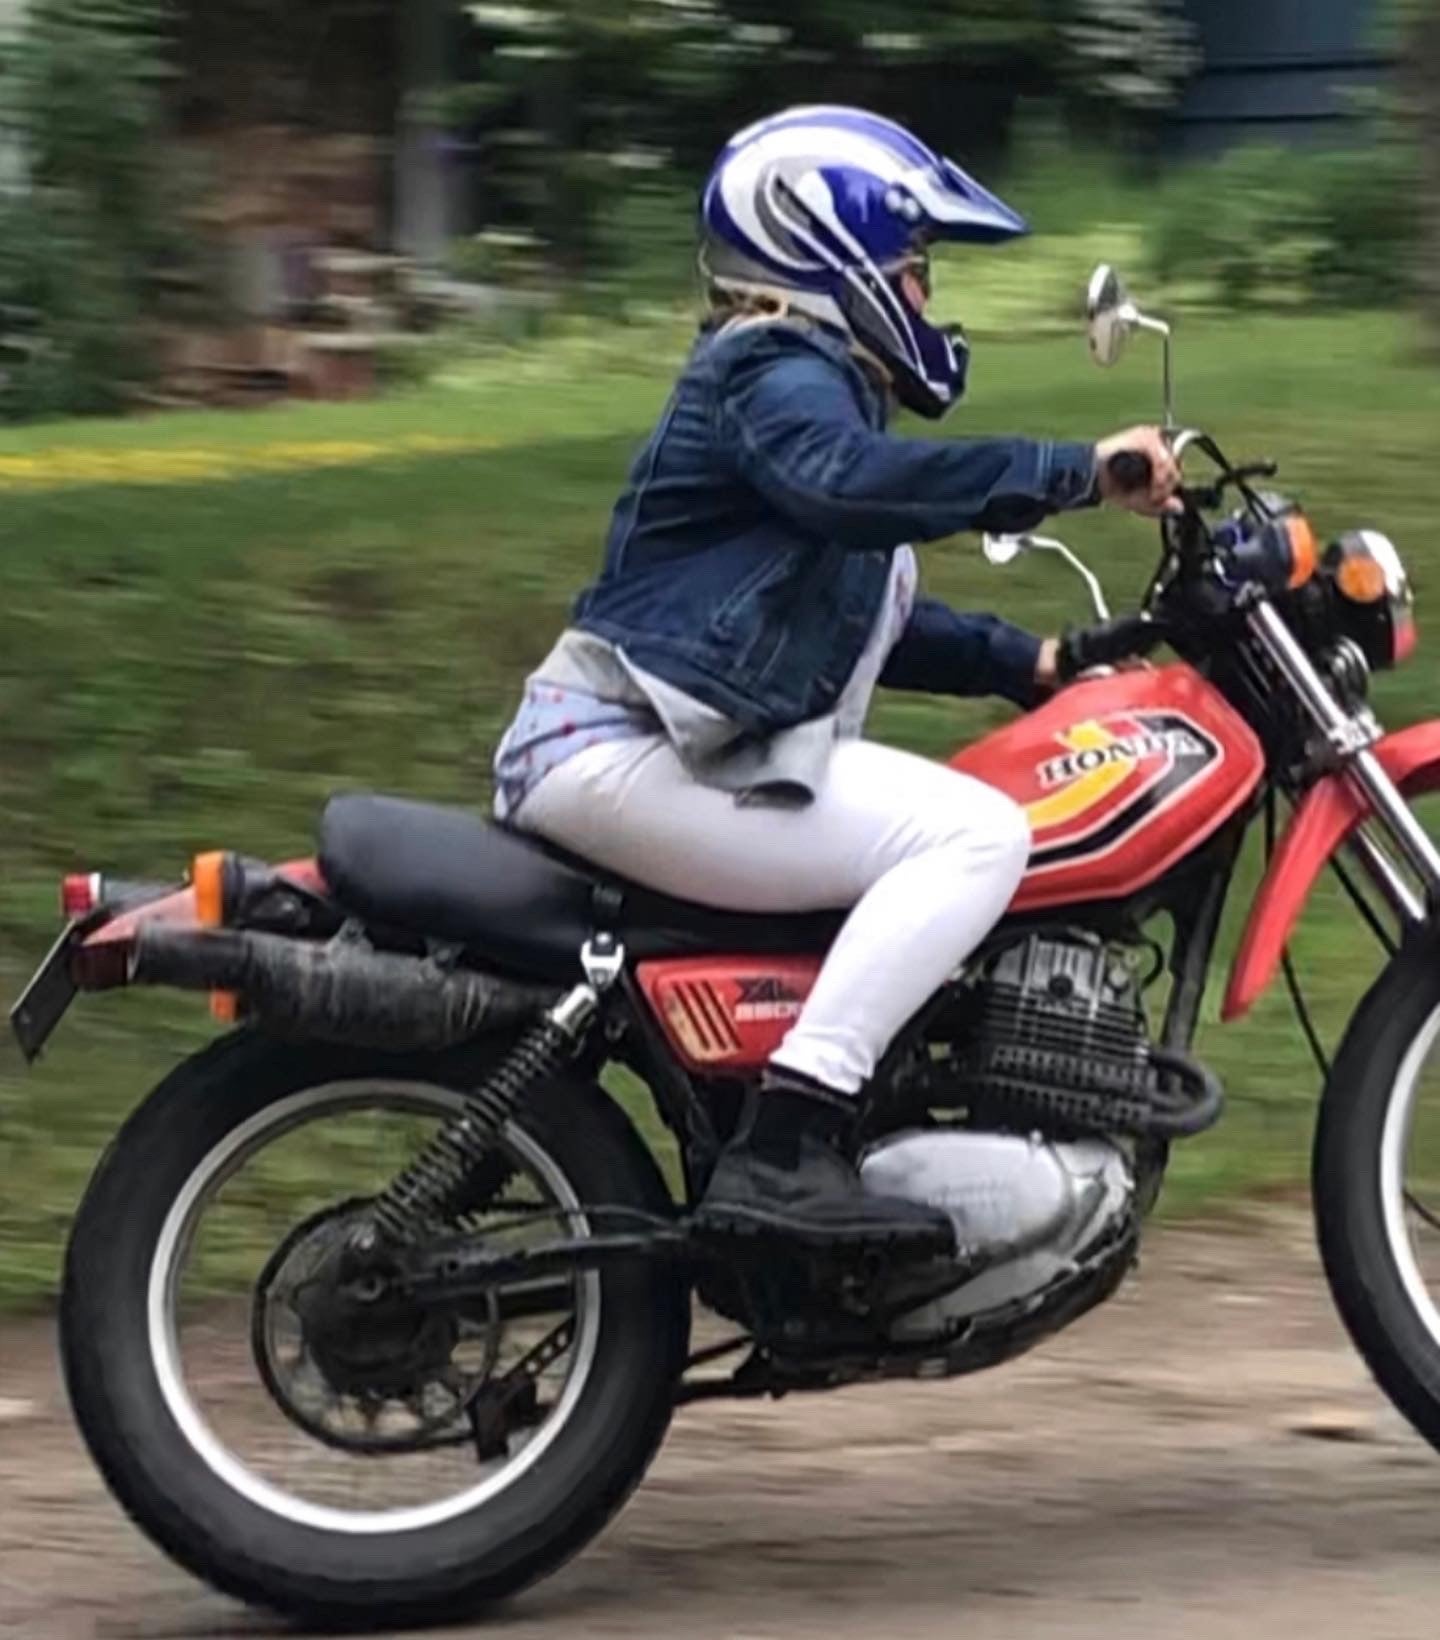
1327	815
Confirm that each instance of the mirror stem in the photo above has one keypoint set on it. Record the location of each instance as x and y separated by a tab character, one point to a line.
1161	328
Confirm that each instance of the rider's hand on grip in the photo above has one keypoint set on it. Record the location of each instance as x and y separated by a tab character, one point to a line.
1105	643
1131	470
1137	470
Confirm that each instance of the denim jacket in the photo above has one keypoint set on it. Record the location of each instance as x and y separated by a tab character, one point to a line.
748	556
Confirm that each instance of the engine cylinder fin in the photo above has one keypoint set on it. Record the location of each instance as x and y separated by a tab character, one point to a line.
1056	1040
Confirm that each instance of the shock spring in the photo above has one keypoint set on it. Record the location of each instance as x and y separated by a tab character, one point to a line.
428	1192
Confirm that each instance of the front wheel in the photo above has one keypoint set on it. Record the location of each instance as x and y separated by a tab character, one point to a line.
372	1467
1376	1180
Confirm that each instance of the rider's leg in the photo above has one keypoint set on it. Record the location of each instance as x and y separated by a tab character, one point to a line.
927	857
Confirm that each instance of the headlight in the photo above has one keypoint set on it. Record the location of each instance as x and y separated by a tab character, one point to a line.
1373	602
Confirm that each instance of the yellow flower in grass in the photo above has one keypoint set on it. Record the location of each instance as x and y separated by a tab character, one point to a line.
70	468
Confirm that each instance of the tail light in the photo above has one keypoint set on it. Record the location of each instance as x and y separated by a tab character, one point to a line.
81	895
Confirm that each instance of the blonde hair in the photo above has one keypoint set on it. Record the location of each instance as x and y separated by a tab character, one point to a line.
729	307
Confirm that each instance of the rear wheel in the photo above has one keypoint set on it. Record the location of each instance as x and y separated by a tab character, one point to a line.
1377	1183
396	1468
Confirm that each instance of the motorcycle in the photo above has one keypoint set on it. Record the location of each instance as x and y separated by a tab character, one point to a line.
455	1371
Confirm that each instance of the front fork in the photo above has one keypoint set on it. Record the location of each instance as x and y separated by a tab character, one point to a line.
1351	739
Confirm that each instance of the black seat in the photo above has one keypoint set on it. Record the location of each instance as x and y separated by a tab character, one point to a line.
526	907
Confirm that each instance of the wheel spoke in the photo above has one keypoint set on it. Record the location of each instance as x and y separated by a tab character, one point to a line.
426	1391
1416	1206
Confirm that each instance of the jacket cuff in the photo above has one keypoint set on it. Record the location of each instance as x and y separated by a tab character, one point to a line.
1014	656
1071	476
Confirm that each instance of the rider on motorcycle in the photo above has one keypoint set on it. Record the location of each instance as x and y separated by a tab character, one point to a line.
698	727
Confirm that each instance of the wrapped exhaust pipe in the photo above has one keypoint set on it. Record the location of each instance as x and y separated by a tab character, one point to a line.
341	991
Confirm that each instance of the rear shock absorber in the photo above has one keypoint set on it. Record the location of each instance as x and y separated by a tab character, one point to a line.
428	1192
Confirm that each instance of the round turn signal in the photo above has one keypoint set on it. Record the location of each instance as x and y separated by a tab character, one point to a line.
1361	578
207	879
1304	550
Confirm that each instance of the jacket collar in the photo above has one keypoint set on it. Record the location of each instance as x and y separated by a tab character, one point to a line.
765	337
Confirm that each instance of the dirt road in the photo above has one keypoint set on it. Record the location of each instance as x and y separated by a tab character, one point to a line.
1204	1459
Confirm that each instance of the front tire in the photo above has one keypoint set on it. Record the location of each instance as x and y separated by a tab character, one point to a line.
1362	1209
163	1466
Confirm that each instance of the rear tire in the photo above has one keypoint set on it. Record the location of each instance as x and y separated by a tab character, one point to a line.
382	1578
1357	1196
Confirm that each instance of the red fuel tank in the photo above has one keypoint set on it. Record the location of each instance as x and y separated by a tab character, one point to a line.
1121	777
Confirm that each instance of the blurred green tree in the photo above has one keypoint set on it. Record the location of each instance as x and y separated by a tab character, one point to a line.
90	219
563	91
1423	85
1130	55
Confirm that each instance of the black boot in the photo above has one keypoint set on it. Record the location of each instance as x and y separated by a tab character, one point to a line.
789	1172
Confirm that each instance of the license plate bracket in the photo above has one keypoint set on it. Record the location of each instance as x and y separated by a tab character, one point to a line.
48	995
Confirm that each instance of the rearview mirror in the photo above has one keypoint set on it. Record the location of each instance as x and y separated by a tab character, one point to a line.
1109	315
1002	549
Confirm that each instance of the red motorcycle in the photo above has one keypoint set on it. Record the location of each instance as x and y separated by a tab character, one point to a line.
471	1316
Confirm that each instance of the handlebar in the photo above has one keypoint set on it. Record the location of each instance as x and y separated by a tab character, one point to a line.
1192	548
1131	470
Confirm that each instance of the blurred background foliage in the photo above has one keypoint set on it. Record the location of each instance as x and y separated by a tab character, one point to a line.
92	218
584	127
209	622
580	129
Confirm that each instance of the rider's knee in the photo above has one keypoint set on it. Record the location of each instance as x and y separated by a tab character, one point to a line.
1012	836
993	828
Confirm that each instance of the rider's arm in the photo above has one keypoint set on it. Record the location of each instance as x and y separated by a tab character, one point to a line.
942	652
792	428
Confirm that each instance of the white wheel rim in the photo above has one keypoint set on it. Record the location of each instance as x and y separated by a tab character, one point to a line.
165	1353
1394	1144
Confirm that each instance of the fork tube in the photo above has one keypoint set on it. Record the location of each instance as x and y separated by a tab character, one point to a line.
1392	887
1350	742
1420	853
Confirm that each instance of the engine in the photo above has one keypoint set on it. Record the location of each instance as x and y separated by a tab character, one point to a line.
1053	1038
1052	1076
1059	1040
1043	1223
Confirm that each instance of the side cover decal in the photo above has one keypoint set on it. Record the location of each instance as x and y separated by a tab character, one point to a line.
726	1013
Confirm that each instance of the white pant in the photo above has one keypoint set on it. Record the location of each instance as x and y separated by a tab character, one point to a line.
929	859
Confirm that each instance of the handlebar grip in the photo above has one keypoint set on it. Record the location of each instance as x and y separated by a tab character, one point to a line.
1128	638
1131	470
1125	638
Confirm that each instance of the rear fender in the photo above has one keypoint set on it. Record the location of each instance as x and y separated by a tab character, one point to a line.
1327	815
101	960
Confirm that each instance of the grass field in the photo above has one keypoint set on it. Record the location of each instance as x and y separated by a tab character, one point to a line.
207	623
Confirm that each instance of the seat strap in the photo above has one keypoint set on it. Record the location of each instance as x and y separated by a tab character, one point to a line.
607	907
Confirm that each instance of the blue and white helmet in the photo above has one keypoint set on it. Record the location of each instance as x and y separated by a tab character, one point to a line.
821	208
